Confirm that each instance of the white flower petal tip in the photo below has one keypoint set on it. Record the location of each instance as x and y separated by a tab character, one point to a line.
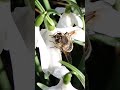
64	21
76	20
79	35
60	9
68	20
62	86
44	53
59	72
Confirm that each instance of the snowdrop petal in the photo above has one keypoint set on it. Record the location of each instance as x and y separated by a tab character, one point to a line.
79	35
76	20
55	54
67	29
44	53
60	9
59	72
64	21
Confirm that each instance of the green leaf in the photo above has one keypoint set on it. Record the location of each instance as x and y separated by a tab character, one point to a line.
77	72
72	1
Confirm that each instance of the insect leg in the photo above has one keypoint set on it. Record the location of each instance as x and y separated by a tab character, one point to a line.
68	57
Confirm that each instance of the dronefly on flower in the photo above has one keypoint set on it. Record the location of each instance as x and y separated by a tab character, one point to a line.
54	53
51	56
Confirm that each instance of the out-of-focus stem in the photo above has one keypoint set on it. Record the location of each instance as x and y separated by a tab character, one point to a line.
30	3
73	1
83	22
4	82
117	5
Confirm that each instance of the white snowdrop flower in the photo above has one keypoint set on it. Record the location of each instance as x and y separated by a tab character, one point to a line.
106	19
61	86
68	20
76	20
50	55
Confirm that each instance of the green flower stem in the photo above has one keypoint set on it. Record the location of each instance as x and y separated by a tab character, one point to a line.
40	7
83	22
117	5
49	20
37	64
27	2
30	3
47	4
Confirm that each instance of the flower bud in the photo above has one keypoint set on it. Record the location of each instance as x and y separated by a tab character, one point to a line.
67	78
40	19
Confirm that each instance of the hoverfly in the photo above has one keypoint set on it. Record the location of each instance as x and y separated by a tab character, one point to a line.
63	41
